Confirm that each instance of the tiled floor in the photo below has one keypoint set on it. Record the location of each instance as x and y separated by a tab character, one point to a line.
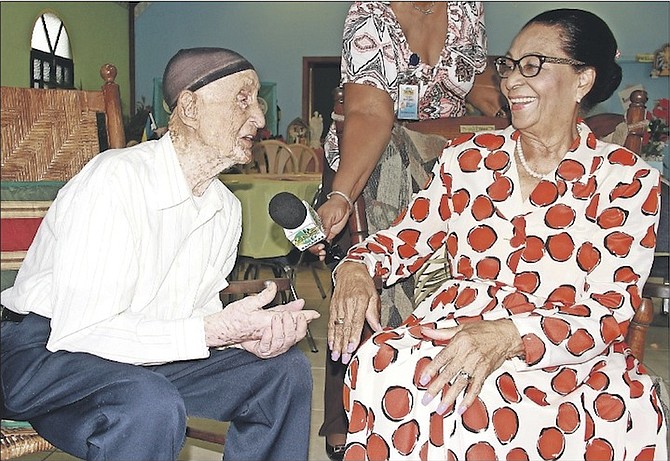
656	359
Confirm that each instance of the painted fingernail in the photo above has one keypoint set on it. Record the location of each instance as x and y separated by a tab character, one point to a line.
351	347
427	398
461	410
424	379
334	356
346	357
441	408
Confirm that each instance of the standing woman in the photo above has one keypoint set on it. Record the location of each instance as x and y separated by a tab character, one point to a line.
401	62
550	232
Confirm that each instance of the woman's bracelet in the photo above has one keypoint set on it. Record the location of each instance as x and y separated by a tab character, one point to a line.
344	196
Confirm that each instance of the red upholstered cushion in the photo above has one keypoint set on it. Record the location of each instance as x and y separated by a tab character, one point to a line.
19	222
22	208
16	234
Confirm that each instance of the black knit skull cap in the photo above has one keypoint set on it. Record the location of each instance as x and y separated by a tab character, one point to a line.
193	68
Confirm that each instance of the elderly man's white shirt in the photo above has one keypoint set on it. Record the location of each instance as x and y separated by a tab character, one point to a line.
128	262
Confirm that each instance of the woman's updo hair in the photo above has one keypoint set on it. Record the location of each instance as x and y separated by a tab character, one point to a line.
588	39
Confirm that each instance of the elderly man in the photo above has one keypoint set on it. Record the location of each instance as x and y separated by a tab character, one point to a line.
122	334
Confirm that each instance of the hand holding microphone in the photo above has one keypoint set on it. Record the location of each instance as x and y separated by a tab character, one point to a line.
301	224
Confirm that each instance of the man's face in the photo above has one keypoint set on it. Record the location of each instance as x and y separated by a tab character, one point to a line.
229	117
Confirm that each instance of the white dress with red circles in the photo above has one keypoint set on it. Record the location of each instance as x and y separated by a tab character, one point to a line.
566	266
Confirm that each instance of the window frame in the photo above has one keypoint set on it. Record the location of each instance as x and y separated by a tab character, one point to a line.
60	72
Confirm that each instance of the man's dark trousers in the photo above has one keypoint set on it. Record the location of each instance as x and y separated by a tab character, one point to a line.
98	409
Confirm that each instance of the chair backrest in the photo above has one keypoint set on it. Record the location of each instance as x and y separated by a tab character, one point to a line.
604	124
452	127
307	160
271	156
50	134
47	136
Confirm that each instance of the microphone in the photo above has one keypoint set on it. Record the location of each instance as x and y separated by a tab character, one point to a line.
301	224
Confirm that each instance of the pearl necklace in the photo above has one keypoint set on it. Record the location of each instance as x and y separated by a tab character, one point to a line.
522	158
428	10
524	164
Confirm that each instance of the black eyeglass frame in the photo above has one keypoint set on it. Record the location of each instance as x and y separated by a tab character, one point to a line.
517	63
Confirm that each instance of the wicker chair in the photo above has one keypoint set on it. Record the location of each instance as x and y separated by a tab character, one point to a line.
51	134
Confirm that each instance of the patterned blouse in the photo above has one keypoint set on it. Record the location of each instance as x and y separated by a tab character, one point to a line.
375	52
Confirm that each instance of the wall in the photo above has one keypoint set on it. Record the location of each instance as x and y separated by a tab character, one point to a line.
275	36
639	27
98	33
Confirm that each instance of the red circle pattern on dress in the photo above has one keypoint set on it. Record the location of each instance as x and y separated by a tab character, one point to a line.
517	254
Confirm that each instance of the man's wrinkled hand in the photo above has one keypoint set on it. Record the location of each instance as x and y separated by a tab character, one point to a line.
264	332
284	332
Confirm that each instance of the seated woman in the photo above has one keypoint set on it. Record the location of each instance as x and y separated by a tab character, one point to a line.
551	234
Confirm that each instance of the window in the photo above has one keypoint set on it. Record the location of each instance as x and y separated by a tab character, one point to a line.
51	64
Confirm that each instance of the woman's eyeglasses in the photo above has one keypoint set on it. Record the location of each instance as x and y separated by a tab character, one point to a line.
529	65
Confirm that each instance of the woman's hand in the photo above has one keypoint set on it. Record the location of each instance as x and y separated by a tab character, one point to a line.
354	301
319	250
334	214
473	351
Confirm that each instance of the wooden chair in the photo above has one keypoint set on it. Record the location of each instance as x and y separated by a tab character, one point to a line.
47	136
307	160
271	156
450	127
602	125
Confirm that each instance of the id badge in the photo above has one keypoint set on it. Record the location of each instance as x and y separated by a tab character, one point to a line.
408	101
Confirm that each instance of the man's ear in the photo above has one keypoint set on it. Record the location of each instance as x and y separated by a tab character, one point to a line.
187	108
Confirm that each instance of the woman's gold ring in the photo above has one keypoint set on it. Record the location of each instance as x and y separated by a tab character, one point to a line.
339	321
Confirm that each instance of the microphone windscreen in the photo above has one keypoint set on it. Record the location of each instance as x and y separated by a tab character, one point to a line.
287	210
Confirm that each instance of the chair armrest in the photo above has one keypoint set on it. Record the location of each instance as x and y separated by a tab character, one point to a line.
242	287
